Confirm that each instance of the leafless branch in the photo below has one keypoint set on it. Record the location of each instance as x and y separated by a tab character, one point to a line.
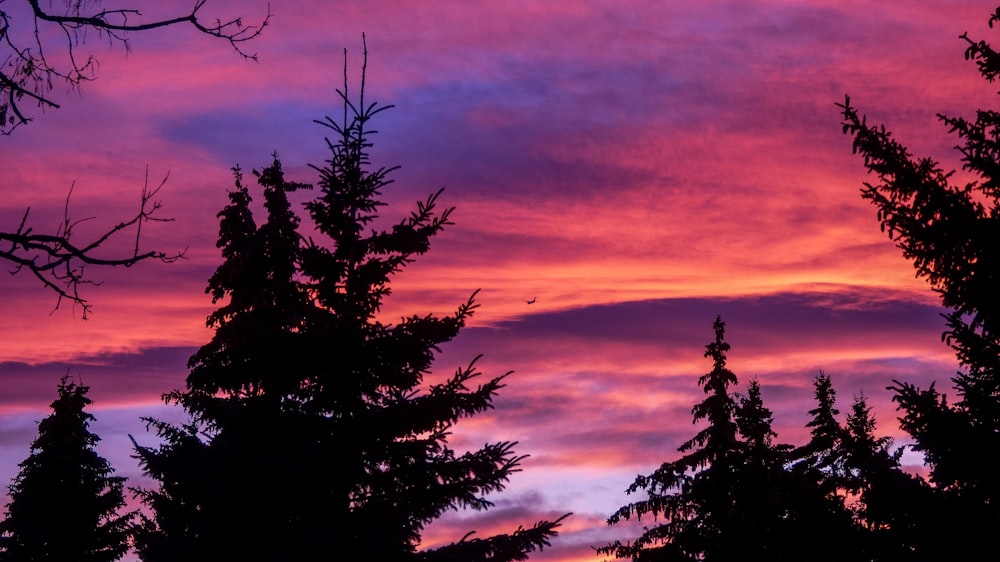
59	261
27	74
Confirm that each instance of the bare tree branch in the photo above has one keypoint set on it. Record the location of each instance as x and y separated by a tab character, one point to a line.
59	260
27	73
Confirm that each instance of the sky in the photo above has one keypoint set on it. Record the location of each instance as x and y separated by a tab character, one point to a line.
635	167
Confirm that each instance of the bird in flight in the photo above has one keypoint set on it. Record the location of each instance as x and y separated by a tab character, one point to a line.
532	301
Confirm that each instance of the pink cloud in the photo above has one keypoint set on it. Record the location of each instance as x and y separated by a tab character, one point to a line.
637	168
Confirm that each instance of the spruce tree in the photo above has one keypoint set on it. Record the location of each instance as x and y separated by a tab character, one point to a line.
691	499
786	514
821	460
891	505
950	231
825	432
734	495
65	502
764	520
312	435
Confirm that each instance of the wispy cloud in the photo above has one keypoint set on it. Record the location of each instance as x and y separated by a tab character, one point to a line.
633	168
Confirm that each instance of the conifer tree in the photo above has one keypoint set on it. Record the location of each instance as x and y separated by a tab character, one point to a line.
312	435
950	234
764	519
733	495
691	498
707	502
820	460
787	514
65	502
825	432
890	503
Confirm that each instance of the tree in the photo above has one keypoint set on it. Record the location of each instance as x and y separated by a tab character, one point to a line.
28	72
59	260
692	495
825	432
311	431
821	459
891	505
949	232
736	497
65	502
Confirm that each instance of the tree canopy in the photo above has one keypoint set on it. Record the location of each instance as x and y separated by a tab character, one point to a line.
311	430
950	231
65	502
736	493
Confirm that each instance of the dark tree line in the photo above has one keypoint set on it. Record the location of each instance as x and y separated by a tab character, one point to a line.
736	495
310	430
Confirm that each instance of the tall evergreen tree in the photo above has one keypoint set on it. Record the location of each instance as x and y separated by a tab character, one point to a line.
825	432
65	502
690	498
701	498
312	435
733	495
820	460
785	514
764	520
950	232
891	505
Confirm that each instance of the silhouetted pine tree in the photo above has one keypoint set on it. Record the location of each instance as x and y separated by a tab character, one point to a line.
950	232
64	502
825	432
890	503
311	433
785	514
763	520
690	498
821	460
734	496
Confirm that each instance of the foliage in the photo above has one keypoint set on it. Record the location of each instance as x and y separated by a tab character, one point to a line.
950	231
29	70
64	501
737	494
311	430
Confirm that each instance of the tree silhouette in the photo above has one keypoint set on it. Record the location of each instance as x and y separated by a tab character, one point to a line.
32	59
890	504
692	495
60	260
949	232
312	434
821	459
28	70
733	495
64	501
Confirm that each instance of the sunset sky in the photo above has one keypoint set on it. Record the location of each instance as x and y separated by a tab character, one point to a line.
638	167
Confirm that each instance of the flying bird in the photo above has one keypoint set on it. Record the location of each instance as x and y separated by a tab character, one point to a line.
532	301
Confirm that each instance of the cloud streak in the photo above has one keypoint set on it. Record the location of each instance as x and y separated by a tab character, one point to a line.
635	167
